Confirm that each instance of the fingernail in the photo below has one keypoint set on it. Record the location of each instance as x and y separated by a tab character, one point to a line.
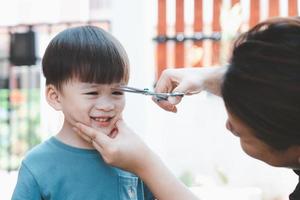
172	100
172	108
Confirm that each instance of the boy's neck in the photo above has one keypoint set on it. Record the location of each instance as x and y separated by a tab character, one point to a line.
69	137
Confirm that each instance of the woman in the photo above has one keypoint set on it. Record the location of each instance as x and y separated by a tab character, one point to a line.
261	91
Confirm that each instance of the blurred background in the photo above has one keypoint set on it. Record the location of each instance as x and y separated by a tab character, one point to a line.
157	34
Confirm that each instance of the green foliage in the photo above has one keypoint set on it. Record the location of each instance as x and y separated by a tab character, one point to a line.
19	125
222	176
187	178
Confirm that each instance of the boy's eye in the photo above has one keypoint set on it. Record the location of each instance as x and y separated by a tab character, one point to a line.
117	93
91	93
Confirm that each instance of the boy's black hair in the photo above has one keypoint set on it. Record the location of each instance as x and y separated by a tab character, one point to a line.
262	84
86	53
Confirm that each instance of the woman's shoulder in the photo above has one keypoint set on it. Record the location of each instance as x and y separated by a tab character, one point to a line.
296	194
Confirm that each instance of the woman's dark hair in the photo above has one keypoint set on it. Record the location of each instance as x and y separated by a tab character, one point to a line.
87	53
262	84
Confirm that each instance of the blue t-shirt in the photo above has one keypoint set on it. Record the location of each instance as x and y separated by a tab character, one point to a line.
56	171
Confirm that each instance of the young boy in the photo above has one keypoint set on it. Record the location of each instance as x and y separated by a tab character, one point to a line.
82	66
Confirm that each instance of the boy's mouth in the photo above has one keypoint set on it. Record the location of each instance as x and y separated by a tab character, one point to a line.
102	121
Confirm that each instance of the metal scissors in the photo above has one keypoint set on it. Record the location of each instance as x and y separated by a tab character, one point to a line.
146	91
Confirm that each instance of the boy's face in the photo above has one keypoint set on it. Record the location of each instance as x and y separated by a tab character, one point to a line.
96	105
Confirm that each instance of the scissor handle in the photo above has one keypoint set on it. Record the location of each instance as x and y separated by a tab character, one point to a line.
165	96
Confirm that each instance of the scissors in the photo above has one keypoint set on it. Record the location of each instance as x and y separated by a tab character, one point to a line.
146	91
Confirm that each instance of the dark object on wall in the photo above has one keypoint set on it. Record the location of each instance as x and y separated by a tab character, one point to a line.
4	83
22	48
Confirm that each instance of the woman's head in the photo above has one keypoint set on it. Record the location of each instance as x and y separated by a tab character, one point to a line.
262	84
86	53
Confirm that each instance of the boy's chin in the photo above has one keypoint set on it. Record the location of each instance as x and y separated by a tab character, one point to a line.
105	130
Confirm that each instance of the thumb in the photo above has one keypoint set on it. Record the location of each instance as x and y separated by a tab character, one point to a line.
183	87
96	136
121	126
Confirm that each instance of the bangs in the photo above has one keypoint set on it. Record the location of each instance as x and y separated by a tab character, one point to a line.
91	73
101	68
99	59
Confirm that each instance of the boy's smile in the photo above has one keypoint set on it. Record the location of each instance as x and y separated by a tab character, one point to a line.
102	121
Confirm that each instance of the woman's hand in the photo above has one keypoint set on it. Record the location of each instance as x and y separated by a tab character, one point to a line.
188	81
125	149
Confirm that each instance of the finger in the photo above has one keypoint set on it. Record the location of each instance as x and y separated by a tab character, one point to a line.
188	87
164	84
113	133
83	136
174	100
166	105
121	116
98	147
99	137
122	127
183	87
86	130
120	124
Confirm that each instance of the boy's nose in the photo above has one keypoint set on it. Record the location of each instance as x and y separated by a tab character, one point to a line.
104	104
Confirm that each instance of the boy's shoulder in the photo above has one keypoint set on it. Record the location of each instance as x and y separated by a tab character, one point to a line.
40	152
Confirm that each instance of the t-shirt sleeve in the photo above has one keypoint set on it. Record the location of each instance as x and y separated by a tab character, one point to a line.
147	193
26	187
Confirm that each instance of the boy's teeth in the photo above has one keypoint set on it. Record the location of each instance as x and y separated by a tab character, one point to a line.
101	119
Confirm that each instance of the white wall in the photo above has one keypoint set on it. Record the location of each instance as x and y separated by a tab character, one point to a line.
132	24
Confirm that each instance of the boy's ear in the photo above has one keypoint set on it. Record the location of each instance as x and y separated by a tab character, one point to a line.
53	97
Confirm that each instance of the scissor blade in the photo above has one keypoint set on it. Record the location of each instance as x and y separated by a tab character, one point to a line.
131	89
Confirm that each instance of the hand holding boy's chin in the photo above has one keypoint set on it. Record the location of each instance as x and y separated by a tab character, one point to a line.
105	130
110	131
